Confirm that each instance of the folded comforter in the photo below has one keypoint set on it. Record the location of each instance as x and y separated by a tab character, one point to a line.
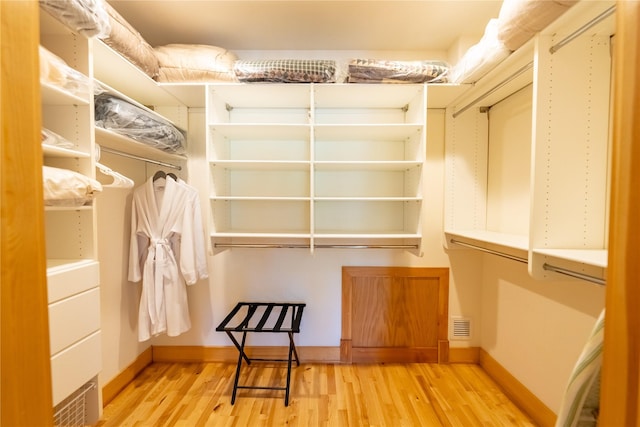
286	71
381	71
520	20
480	58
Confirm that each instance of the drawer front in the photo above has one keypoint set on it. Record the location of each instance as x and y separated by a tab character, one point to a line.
73	318
74	366
64	282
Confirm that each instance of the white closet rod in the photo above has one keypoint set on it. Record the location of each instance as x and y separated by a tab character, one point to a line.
490	251
574	274
144	159
493	89
556	47
294	246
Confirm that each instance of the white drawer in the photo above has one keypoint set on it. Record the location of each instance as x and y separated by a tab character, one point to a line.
73	318
68	279
74	366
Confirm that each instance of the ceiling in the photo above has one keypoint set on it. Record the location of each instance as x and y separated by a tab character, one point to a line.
373	25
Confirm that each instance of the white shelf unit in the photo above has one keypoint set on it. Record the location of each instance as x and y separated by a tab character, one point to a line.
73	277
316	166
562	195
126	81
572	110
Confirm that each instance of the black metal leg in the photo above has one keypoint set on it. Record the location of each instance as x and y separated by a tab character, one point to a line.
240	348
240	356
295	352
291	350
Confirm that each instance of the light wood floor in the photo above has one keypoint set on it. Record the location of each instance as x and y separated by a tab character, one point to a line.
181	394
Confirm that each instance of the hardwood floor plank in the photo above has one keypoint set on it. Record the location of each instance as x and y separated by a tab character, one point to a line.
324	395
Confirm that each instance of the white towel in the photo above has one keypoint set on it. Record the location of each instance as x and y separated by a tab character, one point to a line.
580	403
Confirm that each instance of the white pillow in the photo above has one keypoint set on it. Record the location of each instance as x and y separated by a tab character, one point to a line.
195	63
63	187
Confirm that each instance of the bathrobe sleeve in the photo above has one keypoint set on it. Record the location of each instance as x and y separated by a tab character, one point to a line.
137	246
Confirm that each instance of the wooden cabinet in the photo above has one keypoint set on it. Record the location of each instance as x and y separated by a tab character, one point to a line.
551	211
316	166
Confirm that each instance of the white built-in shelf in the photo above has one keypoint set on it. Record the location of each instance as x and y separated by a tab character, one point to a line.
53	151
441	95
62	265
563	195
366	165
190	94
507	240
68	208
54	95
73	271
262	164
367	131
121	143
594	257
328	161
260	198
116	71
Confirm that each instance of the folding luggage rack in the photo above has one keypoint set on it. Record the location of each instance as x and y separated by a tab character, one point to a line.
242	314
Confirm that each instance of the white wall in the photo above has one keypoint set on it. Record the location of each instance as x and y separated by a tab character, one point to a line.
536	329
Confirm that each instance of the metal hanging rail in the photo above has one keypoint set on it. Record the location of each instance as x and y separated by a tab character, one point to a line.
574	274
490	251
260	246
493	89
296	246
366	246
144	159
556	47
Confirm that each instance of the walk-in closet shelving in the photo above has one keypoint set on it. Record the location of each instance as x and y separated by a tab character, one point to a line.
128	82
319	165
566	68
72	260
572	107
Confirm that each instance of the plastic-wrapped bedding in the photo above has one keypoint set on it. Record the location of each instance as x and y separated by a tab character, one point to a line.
381	71
480	58
55	71
127	119
286	71
63	187
127	41
87	17
520	20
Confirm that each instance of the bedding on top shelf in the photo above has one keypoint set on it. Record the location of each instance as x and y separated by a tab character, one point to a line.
381	71
517	22
195	63
125	118
127	41
520	20
87	17
480	58
286	70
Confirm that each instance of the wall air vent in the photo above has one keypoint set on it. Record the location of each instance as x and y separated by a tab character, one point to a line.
460	328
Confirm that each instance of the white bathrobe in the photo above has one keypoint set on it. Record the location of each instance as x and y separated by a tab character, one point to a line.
165	255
